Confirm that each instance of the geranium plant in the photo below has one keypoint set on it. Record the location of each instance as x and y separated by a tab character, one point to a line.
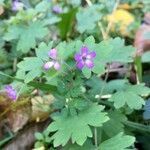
65	50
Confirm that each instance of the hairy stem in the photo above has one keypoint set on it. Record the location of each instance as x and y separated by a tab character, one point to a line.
95	137
15	65
102	30
137	126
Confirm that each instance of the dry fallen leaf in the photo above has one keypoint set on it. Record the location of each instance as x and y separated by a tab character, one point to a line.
40	107
25	110
19	118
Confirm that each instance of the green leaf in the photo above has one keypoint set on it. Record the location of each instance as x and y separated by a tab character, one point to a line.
1	2
66	50
29	35
86	146
76	127
32	75
42	6
75	3
114	126
12	33
30	63
88	17
42	50
66	23
86	72
26	35
39	136
117	85
139	89
98	68
52	20
90	42
121	98
146	57
34	67
147	35
6	140
96	84
37	85
118	142
113	50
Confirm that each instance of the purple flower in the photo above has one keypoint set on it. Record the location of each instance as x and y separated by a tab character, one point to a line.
53	53
53	62
11	92
85	58
57	9
17	5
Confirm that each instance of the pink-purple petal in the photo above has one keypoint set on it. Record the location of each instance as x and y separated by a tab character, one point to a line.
84	51
8	87
57	9
91	55
48	65
11	92
80	64
57	65
77	57
53	53
85	58
17	5
89	63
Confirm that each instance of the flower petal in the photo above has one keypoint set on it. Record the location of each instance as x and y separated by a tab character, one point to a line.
77	57
53	53
57	65
91	55
48	65
57	9
8	87
84	51
89	63
11	92
12	95
17	6
80	64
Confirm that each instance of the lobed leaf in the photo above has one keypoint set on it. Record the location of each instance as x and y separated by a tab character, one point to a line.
118	142
77	127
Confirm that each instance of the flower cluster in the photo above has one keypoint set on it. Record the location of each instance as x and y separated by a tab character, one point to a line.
57	9
11	92
85	58
17	5
53	62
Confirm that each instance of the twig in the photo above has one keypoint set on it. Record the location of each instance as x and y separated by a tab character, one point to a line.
118	70
105	80
106	33
102	30
111	22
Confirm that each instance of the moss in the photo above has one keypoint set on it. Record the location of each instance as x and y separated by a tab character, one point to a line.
6	105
